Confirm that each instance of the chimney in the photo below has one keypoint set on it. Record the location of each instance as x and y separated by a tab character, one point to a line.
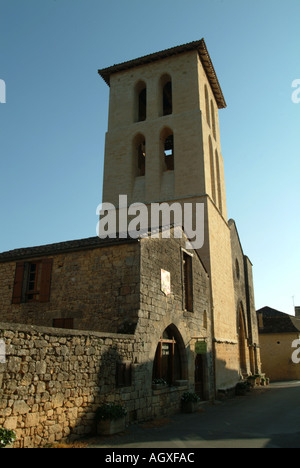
297	311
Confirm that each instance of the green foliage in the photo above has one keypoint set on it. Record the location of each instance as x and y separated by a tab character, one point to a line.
159	382
7	437
188	396
110	411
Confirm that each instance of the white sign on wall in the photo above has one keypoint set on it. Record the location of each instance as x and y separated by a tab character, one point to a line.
166	282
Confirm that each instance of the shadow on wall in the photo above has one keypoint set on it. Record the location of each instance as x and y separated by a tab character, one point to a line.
54	380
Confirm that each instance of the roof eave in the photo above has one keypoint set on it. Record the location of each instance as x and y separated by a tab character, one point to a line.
200	46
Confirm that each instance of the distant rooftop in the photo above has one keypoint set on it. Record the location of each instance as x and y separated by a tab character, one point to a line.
200	46
275	321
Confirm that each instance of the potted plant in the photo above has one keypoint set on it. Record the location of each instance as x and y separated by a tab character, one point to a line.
7	437
189	402
158	383
110	419
258	377
252	380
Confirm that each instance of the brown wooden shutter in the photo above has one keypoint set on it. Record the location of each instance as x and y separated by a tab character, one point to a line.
123	374
18	283
45	280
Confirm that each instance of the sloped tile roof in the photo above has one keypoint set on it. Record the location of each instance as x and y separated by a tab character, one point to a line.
275	321
61	247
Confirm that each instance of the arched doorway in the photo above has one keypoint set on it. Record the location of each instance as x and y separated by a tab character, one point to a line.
170	361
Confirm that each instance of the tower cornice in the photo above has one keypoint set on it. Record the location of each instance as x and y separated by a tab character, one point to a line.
200	46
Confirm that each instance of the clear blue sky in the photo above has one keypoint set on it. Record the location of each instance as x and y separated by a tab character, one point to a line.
53	124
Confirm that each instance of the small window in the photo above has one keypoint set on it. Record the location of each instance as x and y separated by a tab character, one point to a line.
140	102
165	85
32	281
141	152
212	171
169	153
213	120
205	320
207	105
167	98
188	281
237	269
142	105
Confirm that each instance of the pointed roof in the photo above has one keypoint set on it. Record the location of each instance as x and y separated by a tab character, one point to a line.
200	46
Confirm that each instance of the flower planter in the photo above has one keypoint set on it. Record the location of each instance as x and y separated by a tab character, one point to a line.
190	406
189	402
110	419
252	380
158	386
111	426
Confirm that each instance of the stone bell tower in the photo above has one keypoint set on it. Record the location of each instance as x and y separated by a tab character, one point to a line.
163	145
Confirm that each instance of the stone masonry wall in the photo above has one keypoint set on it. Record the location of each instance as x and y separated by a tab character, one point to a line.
98	288
53	381
159	311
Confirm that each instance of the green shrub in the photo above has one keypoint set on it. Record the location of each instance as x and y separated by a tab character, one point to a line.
159	382
7	437
110	411
188	396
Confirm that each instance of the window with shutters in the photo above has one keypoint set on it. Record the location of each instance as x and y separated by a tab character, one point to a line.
32	281
168	363
187	260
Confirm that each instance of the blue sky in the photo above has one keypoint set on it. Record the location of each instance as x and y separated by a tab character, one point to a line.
53	124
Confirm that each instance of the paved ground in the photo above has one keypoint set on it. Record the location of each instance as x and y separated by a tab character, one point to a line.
265	418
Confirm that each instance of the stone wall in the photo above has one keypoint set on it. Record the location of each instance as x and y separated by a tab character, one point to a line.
53	380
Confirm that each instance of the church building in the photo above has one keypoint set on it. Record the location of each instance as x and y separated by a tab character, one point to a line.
172	310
